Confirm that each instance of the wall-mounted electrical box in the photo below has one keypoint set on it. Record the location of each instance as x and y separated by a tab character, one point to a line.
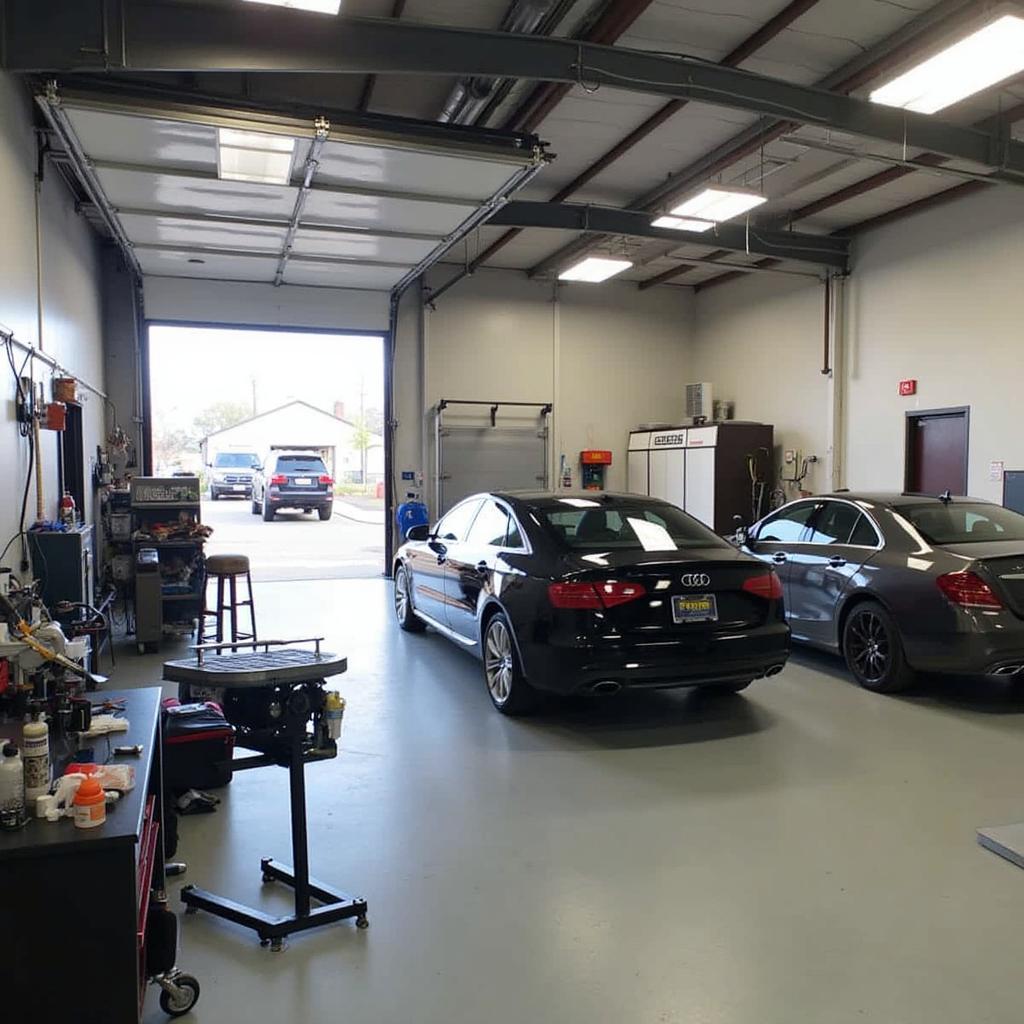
593	463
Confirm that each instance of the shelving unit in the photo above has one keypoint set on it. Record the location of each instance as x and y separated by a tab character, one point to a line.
156	502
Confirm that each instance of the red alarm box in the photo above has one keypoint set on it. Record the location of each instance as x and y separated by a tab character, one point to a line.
595	457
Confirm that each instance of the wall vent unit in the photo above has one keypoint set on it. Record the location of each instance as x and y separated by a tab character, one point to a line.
699	403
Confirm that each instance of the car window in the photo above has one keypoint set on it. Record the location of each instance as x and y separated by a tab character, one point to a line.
787	524
625	525
311	464
514	538
455	525
490	527
834	523
235	460
864	533
965	523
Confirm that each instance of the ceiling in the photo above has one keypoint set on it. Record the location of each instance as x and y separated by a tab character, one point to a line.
376	211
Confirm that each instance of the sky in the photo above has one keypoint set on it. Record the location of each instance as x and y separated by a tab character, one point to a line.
192	368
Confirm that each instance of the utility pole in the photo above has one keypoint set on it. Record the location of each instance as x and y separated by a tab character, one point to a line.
253	395
362	426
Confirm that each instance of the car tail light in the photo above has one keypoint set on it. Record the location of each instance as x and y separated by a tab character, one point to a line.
278	479
767	585
968	590
606	594
325	479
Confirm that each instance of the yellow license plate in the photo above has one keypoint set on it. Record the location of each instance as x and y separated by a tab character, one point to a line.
695	608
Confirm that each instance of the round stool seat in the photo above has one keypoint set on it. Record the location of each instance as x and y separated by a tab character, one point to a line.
227	565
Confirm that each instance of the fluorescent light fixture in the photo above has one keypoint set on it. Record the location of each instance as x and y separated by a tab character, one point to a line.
594	269
683	223
717	203
321	6
974	63
252	156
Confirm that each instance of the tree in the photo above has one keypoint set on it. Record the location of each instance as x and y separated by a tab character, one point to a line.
220	416
170	446
362	441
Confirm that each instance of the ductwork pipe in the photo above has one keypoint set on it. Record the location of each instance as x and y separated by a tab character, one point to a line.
524	17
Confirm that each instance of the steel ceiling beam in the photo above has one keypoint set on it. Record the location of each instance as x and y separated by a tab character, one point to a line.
366	96
768	31
918	36
823	250
162	36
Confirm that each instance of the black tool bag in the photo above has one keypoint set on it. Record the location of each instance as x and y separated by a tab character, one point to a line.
199	743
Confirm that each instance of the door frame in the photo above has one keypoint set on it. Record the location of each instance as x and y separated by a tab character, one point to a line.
388	355
910	418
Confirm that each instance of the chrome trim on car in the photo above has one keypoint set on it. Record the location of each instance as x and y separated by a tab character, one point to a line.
445	630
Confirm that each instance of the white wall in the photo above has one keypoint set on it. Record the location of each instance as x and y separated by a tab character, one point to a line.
759	341
933	297
71	303
608	357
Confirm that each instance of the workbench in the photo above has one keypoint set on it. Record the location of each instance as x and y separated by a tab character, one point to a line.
73	901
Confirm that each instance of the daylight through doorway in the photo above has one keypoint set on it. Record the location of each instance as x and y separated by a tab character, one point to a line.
268	419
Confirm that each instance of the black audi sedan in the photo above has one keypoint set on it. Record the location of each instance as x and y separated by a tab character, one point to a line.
901	583
590	593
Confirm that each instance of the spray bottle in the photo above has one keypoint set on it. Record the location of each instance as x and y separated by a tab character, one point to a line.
12	788
335	712
36	757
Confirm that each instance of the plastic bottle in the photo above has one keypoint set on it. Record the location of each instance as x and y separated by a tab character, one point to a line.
12	787
67	509
90	804
335	713
35	754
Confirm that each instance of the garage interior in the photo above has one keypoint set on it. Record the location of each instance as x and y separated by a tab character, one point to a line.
429	172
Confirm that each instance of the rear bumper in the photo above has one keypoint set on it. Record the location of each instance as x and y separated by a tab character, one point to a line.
981	652
296	499
240	490
725	658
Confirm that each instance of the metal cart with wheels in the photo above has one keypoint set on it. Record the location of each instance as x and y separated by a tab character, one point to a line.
274	694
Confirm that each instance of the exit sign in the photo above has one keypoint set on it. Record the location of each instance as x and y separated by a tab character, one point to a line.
908	387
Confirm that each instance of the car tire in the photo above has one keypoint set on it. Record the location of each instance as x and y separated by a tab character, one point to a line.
325	513
214	496
874	651
506	684
256	507
404	612
268	512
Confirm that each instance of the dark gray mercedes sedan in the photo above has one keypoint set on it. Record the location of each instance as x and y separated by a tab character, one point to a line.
900	583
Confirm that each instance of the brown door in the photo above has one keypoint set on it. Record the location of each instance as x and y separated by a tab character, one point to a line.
937	451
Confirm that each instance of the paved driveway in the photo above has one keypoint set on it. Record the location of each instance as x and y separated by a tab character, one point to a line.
296	546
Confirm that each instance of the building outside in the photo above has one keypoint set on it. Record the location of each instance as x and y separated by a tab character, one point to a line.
301	425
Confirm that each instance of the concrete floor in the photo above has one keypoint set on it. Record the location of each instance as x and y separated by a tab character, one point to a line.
296	546
802	853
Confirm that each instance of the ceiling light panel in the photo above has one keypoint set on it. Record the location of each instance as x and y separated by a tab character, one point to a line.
253	156
976	62
682	224
594	269
321	6
718	204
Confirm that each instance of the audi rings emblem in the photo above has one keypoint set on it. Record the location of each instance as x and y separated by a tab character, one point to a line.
696	579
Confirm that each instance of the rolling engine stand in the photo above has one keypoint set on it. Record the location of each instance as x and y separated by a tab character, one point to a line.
270	696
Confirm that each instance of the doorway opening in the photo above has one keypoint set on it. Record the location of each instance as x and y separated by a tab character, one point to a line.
936	451
242	408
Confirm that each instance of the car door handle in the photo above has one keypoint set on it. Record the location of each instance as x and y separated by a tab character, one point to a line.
780	557
835	562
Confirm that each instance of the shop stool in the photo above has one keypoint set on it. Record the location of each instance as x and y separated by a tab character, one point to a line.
228	570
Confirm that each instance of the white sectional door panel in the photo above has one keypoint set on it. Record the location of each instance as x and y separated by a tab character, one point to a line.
700	484
638	473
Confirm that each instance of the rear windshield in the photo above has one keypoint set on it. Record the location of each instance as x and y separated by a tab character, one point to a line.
235	460
965	524
300	464
585	525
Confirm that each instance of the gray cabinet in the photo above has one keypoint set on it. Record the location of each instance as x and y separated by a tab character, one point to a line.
62	561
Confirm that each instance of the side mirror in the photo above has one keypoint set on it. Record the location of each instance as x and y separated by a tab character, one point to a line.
438	548
421	532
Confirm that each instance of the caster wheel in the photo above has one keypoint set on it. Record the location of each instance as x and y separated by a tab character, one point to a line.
264	942
177	1004
141	648
267	879
362	922
278	945
191	910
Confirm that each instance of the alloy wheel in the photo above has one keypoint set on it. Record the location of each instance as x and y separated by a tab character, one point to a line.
401	596
869	646
498	661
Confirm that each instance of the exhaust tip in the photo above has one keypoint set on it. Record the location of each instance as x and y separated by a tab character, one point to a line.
606	687
1008	670
774	670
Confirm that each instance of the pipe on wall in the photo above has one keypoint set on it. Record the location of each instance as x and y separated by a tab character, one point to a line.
826	365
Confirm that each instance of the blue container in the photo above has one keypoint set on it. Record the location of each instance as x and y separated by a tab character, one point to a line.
410	514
